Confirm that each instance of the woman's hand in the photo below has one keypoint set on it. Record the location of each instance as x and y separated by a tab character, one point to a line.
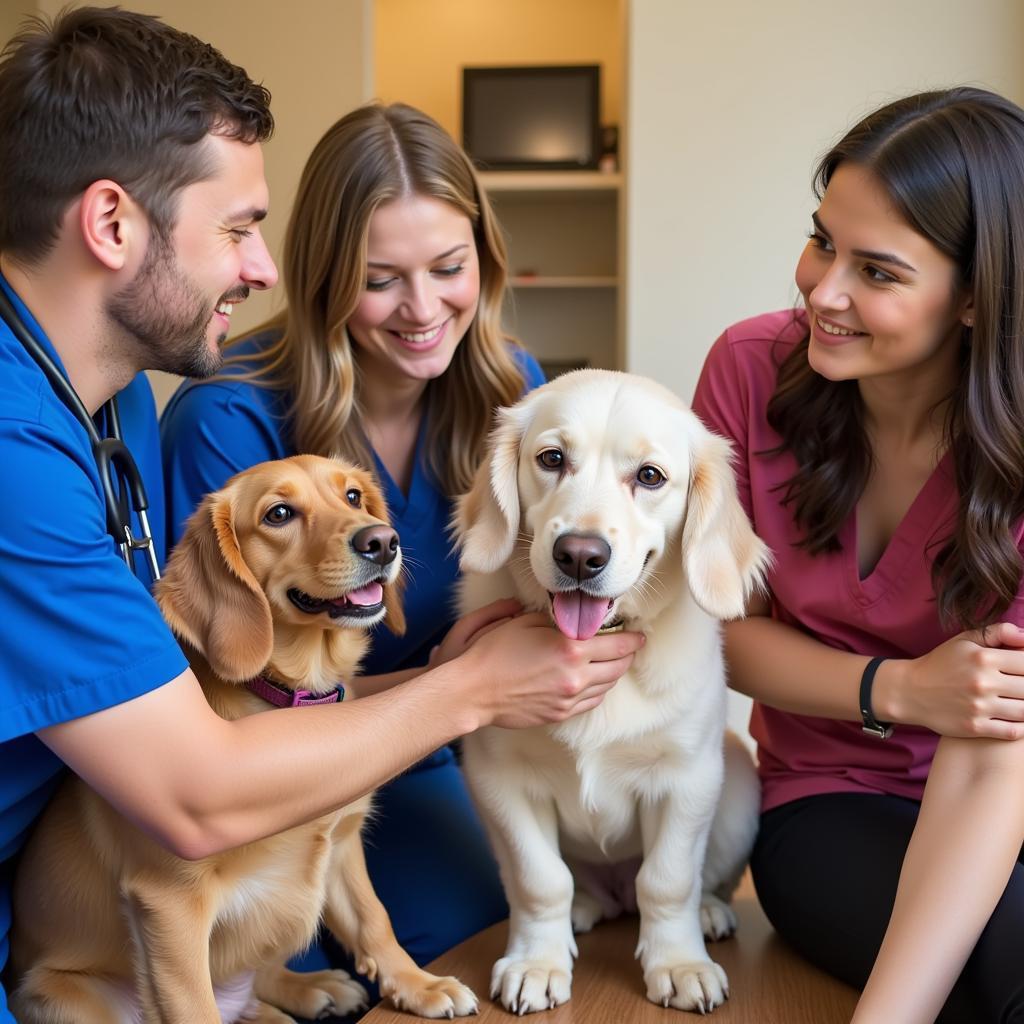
524	672
970	686
467	630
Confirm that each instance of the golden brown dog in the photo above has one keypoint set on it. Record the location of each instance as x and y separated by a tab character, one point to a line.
276	578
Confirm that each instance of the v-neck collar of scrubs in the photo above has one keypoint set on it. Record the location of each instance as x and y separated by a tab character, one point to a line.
930	513
420	490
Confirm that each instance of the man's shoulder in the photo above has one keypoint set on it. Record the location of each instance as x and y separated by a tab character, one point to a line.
23	388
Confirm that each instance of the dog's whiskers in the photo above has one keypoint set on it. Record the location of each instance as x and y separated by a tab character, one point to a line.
649	588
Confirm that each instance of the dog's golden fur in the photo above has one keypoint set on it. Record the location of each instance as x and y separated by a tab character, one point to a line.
109	926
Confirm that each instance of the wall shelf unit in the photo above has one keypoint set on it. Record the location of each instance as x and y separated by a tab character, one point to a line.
564	233
564	282
551	181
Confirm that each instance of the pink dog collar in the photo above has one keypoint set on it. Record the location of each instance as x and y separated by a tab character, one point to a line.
282	697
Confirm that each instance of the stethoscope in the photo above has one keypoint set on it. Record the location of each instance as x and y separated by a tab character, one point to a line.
119	475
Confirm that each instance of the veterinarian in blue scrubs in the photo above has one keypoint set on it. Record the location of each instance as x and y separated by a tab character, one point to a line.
390	353
124	242
63	584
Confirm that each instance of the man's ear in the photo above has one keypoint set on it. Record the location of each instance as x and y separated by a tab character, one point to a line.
114	228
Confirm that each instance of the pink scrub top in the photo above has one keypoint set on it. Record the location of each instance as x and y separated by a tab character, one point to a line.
891	612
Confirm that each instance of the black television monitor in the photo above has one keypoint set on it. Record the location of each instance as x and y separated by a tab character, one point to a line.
532	118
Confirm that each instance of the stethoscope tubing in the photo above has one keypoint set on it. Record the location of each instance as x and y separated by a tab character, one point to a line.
113	459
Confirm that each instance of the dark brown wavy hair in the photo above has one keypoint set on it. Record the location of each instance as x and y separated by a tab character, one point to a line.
952	163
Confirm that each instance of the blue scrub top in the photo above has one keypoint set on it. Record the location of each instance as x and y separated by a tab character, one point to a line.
79	633
211	430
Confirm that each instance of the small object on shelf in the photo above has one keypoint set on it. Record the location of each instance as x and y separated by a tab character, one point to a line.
609	160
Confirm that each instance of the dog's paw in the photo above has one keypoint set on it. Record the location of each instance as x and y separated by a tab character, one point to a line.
586	911
698	987
263	1013
427	995
526	986
344	994
717	918
316	994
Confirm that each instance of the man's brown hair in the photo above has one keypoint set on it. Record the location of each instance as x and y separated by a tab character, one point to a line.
107	93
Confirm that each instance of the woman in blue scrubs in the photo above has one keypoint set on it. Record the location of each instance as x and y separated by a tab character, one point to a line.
389	353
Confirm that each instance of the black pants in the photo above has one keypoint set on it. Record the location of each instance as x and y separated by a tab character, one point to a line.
826	870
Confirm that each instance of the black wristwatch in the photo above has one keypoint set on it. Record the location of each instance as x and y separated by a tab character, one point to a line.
870	724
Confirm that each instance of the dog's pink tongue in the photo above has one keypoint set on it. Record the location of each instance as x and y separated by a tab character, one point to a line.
578	615
372	593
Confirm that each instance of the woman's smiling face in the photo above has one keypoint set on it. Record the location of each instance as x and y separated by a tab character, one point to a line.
881	298
422	288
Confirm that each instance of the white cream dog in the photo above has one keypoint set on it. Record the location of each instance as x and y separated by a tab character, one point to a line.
605	501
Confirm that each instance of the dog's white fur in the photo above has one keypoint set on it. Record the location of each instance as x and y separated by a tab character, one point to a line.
641	774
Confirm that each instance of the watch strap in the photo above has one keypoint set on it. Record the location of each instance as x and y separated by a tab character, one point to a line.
870	724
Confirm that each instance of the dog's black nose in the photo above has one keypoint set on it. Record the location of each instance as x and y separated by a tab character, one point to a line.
376	543
581	555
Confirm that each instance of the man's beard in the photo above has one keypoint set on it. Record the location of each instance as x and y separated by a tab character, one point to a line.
167	315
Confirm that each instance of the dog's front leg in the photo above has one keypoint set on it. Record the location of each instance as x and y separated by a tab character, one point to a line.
536	971
171	933
361	924
677	969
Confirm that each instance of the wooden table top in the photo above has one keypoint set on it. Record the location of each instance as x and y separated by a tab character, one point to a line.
769	983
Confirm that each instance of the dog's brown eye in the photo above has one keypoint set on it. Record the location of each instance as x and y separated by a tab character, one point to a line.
551	458
650	476
278	515
354	497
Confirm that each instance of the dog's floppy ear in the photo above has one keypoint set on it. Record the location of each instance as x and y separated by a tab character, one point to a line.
486	519
210	597
723	558
375	504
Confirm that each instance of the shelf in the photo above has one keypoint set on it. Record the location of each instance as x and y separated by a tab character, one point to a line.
548	281
551	181
564	244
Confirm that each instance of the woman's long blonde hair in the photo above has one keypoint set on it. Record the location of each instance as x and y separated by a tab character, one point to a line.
372	156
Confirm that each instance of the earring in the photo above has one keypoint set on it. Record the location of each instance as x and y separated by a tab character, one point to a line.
968	321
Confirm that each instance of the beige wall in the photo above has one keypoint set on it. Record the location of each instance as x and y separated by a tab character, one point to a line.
12	12
421	45
314	57
730	104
